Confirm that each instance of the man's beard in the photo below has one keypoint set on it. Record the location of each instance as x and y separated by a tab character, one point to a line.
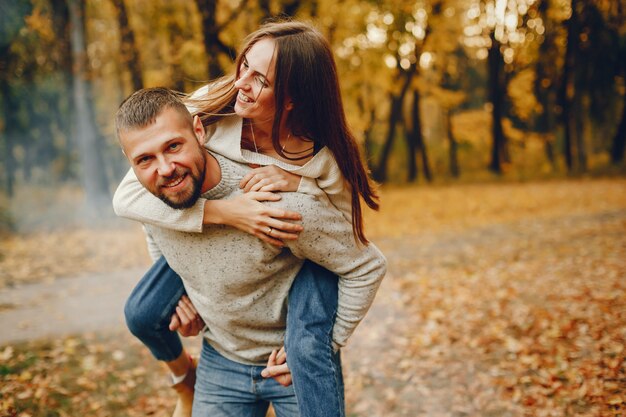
196	190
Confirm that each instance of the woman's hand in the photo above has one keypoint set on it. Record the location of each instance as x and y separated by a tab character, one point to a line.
186	319
248	214
270	178
277	368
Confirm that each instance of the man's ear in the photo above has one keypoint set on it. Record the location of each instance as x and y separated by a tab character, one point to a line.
198	130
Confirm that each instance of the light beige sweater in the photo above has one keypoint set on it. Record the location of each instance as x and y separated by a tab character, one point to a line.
239	284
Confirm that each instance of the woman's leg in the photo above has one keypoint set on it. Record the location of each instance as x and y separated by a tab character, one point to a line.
148	311
315	367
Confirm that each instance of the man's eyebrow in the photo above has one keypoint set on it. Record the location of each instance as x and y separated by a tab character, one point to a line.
140	156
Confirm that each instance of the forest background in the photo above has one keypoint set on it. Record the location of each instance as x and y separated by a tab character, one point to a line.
434	90
497	129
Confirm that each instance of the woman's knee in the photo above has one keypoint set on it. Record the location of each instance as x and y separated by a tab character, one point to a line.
140	319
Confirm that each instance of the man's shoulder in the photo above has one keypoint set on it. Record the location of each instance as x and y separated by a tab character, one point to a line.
291	200
312	207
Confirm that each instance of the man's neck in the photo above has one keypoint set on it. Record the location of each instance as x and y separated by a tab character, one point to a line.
212	173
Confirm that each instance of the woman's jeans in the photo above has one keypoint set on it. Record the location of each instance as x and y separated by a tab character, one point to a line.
312	304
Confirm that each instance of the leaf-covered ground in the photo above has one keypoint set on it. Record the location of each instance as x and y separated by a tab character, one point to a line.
501	300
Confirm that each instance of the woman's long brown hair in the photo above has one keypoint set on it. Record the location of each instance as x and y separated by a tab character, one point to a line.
306	74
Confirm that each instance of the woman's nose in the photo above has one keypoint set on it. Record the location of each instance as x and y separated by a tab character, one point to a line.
242	82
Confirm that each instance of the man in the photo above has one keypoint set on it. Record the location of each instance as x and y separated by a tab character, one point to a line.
237	283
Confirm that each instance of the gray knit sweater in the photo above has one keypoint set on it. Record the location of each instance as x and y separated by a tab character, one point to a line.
239	284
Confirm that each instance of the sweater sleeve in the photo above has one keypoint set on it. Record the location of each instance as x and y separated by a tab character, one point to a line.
131	200
328	240
153	249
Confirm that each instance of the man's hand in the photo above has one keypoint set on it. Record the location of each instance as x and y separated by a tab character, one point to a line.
186	319
277	368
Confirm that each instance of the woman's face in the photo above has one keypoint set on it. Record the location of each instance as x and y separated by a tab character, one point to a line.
255	83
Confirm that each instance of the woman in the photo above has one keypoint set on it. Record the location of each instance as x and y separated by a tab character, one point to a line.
288	108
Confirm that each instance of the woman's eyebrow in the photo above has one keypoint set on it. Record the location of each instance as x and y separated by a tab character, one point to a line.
245	61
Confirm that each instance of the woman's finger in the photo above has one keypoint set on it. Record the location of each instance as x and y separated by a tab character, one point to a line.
267	239
260	184
282	236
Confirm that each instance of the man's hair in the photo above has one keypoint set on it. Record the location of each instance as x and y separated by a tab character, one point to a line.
143	106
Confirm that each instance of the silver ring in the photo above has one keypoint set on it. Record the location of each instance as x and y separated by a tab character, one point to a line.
269	230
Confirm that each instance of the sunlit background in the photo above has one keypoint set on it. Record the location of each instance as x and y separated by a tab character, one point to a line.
497	129
435	90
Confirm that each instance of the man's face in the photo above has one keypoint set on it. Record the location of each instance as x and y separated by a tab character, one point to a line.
168	158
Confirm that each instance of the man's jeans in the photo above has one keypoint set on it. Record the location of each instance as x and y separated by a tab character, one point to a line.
230	389
312	304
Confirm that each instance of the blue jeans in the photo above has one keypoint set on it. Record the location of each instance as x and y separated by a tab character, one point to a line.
312	304
230	389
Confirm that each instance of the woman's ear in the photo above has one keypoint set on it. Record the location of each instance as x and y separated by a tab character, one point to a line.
288	105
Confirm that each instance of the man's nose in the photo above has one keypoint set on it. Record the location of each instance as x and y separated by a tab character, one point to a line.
165	167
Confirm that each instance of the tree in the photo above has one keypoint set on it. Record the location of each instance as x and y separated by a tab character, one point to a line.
497	89
211	30
406	59
128	46
86	131
11	20
617	23
546	80
501	26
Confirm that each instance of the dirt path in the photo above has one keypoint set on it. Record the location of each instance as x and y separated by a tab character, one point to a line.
65	306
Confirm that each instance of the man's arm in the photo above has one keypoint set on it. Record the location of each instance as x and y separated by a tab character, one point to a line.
328	240
132	201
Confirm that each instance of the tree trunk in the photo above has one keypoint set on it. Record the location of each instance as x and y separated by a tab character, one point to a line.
579	116
367	131
568	87
128	46
619	140
10	123
411	150
496	96
290	7
453	147
395	113
416	140
264	5
213	46
62	104
419	138
93	173
544	84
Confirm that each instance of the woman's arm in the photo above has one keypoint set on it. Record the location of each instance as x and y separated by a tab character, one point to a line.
328	240
246	212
